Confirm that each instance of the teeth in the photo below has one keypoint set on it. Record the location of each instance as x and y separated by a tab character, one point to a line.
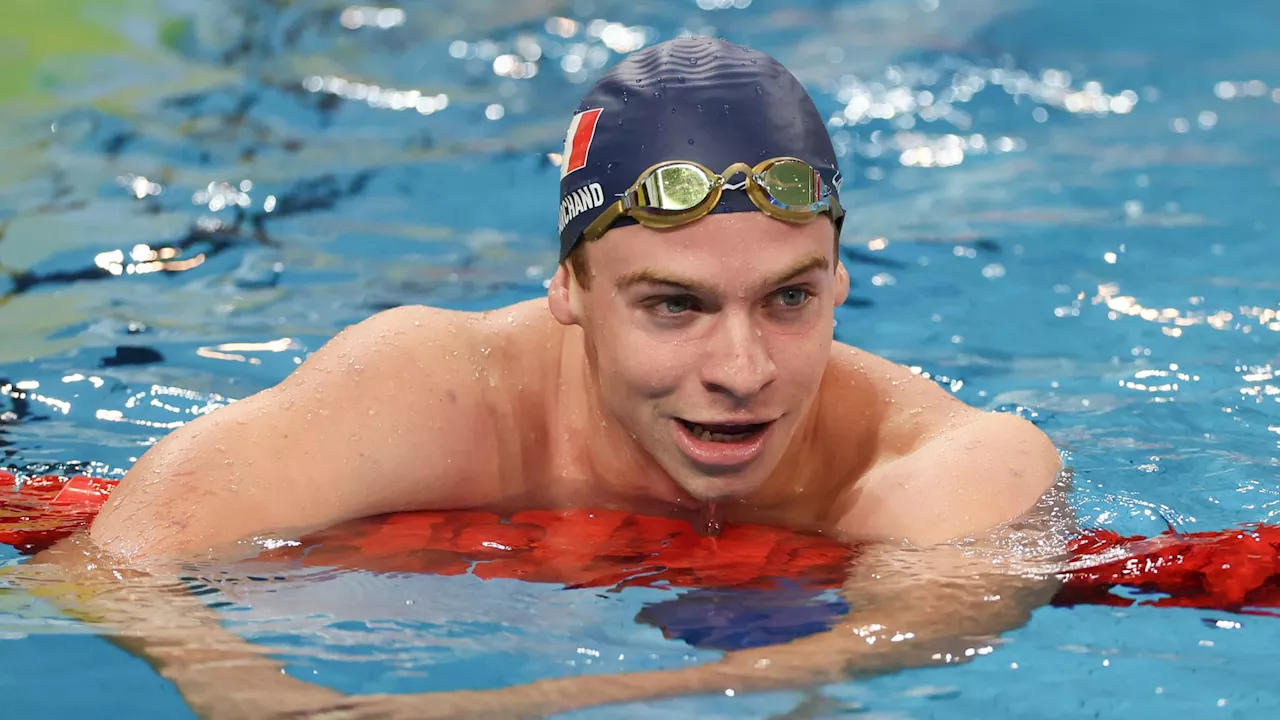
706	435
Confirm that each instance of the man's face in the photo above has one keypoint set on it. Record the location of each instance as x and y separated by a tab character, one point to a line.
710	340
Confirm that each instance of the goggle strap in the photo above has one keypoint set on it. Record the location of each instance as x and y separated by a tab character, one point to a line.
606	220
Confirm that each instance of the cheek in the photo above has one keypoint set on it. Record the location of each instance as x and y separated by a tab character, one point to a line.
635	364
803	359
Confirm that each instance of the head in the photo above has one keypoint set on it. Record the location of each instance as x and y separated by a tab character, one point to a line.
707	339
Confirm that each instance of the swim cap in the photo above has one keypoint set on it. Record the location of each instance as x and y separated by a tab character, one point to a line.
699	99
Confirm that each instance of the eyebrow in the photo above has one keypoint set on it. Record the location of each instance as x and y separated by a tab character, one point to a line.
650	276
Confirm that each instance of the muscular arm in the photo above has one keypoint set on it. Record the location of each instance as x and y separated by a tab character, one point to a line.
384	417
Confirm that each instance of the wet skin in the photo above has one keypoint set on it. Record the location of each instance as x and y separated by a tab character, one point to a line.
601	396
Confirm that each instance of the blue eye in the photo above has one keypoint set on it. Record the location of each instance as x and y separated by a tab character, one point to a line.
793	297
676	305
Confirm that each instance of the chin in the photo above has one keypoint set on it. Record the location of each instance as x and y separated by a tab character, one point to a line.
718	488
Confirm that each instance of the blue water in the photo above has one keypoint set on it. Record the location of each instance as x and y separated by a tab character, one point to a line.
1065	210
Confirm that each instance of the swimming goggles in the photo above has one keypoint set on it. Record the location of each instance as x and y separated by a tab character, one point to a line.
676	192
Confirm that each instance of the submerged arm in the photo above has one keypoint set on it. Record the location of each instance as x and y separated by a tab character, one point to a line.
154	616
911	608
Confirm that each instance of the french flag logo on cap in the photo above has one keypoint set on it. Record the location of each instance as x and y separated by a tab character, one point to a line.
578	141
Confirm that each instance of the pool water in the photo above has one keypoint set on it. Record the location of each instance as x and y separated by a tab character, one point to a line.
1063	210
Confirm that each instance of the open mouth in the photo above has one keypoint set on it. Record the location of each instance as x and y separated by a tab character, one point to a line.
724	433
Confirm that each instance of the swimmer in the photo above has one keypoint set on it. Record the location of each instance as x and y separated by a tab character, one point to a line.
682	363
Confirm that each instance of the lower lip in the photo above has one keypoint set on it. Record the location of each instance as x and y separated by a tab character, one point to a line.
720	455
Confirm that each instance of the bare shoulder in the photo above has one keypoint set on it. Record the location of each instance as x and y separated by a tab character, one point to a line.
443	381
942	468
916	408
438	350
404	358
911	407
397	412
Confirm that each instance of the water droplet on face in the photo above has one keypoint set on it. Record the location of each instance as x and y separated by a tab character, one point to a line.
759	90
693	61
680	78
690	141
657	94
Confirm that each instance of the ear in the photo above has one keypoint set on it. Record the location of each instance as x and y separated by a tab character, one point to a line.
564	296
842	283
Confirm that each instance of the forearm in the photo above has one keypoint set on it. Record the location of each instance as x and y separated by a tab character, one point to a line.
908	632
931	627
157	618
911	608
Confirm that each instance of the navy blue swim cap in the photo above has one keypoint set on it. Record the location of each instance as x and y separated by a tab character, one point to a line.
698	99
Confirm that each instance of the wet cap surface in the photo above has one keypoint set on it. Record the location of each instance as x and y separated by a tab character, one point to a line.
699	99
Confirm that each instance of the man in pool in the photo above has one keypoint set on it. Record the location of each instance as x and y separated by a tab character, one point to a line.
681	364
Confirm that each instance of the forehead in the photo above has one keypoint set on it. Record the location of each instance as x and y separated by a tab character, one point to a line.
723	250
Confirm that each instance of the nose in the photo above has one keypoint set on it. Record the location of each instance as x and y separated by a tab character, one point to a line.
739	363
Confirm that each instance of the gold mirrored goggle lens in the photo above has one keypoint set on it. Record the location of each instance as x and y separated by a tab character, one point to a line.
791	184
674	188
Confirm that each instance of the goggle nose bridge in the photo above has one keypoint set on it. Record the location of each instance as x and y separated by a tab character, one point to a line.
732	171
